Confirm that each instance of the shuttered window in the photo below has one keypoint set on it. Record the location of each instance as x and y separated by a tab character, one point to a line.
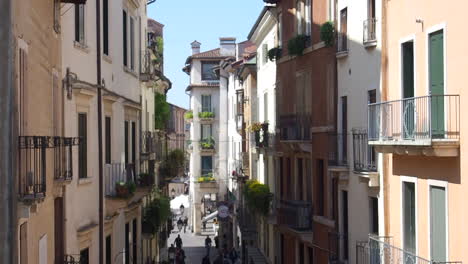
132	43
124	40
105	26
126	141
206	103
206	131
80	23
83	148
22	90
133	142
409	217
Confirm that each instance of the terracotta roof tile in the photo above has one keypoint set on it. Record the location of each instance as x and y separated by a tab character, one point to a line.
208	54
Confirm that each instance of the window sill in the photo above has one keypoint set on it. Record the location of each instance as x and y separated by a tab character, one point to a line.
370	44
85	181
324	221
129	71
342	54
81	46
107	58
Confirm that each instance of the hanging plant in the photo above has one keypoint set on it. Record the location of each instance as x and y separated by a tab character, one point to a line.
327	33
274	54
188	115
258	197
297	45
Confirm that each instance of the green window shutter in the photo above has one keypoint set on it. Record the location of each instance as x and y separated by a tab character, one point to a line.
436	79
438	224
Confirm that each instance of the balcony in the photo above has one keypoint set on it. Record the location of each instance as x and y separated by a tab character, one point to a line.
382	250
296	215
207	145
338	151
206	115
146	67
338	247
295	128
369	37
149	145
426	125
365	158
120	180
342	47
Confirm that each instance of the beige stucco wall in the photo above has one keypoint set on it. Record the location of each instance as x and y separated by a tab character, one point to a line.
402	26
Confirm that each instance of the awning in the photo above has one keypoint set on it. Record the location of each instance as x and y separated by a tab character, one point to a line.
210	216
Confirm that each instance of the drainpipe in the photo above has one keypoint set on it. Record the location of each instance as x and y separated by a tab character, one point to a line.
8	138
99	112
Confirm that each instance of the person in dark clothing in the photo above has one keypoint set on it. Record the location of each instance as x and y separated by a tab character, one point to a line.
185	223
208	245
179	224
233	255
178	242
171	252
216	239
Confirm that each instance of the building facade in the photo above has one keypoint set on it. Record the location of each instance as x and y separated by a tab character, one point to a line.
422	98
175	128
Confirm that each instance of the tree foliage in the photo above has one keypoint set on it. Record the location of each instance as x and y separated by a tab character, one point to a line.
258	197
173	165
161	111
157	212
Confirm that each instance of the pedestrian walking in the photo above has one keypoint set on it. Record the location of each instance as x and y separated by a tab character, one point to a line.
208	245
179	224
171	252
178	242
185	223
216	239
204	226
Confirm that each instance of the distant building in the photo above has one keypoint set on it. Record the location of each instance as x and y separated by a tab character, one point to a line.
175	128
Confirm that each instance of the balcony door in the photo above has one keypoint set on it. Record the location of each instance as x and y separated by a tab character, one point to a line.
408	108
409	218
436	82
59	230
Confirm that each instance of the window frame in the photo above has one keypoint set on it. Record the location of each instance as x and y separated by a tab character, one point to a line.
125	37
202	167
414	180
440	184
83	148
203	76
80	24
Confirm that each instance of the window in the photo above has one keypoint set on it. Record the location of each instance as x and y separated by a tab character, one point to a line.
343	36
22	90
105	26
311	255
133	142
344	214
134	241
23	243
281	178
308	17
407	50
371	9
84	256
320	187
206	131
127	243
83	148
374	215
57	16
208	73
265	53
43	250
280	28
124	40
409	217
299	17
265	107
344	128
207	164
126	141
132	43
109	249
80	23
206	103
301	253
108	131
300	179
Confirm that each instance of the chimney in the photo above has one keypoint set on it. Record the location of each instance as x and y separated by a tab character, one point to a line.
195	47
228	46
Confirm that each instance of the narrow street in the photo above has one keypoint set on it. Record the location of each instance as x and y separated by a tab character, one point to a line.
194	245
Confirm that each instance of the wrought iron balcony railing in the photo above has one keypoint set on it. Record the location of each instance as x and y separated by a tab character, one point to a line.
369	30
380	250
364	155
295	127
338	149
295	214
415	121
148	142
118	173
342	42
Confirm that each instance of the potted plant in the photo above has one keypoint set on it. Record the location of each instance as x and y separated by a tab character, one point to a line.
255	128
274	54
297	45
207	143
131	186
258	197
121	189
206	115
327	33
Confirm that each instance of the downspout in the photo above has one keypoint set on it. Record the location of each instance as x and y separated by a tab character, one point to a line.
99	112
386	168
8	138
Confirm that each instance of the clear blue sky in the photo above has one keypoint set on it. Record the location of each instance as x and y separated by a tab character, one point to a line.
202	20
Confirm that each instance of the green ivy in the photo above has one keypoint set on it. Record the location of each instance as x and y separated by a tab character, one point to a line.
327	33
258	197
161	111
188	115
173	165
297	45
157	212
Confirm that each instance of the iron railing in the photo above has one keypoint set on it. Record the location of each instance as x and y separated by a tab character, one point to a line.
337	149
418	120
338	247
148	142
71	259
364	155
295	127
342	42
32	166
369	30
379	250
295	214
118	172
